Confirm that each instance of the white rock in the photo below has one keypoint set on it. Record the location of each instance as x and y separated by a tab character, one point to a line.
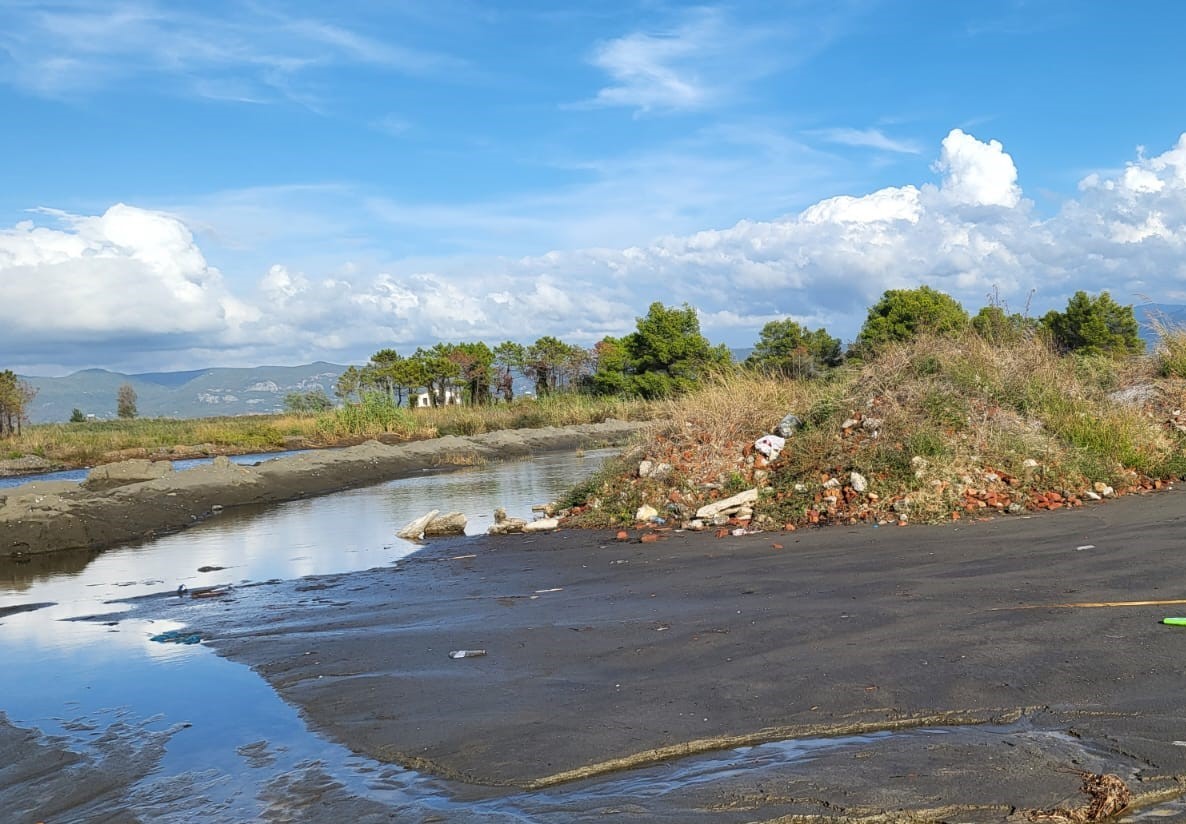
831	483
871	424
542	525
662	471
645	513
850	423
415	529
694	525
739	500
1029	463
1092	496
645	468
858	482
800	487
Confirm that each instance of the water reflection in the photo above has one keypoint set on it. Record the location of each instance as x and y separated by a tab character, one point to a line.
107	686
346	531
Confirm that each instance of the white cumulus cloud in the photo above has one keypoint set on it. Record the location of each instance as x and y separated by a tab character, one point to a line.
89	290
977	173
129	273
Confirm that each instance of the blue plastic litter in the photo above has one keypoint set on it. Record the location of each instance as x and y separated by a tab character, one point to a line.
177	636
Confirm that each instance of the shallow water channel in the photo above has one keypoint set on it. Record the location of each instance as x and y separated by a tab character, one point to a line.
197	737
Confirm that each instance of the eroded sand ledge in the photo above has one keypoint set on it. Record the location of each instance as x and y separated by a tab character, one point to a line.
43	517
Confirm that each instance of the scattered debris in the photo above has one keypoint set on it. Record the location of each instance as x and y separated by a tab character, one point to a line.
1174	622
788	425
646	513
210	569
1109	796
209	592
467	653
542	525
771	446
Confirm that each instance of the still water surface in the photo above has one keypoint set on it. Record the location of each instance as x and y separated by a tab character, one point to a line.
80	679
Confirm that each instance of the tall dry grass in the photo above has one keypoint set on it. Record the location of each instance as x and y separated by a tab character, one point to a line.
86	443
934	418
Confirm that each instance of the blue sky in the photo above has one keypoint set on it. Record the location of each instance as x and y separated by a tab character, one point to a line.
188	185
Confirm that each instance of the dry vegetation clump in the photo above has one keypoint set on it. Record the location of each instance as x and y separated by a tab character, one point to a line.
1107	795
929	430
1170	353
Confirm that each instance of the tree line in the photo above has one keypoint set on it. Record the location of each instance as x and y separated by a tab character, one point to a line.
667	354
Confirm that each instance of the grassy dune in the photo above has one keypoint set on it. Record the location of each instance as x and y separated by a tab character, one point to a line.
937	428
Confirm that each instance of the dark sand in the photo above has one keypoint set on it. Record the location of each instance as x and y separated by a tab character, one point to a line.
603	656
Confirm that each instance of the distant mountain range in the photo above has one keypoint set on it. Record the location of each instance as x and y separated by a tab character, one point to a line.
200	393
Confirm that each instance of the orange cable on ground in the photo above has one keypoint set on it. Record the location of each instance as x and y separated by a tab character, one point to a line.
1094	605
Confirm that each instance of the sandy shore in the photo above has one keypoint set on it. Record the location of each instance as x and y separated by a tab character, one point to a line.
604	656
52	516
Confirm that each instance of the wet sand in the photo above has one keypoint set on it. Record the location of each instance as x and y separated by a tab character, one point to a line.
603	657
41	517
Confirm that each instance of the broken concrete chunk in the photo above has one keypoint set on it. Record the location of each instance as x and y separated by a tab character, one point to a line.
415	529
452	523
709	511
542	525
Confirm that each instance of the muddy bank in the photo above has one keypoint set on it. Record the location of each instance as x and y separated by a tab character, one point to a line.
48	516
603	657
